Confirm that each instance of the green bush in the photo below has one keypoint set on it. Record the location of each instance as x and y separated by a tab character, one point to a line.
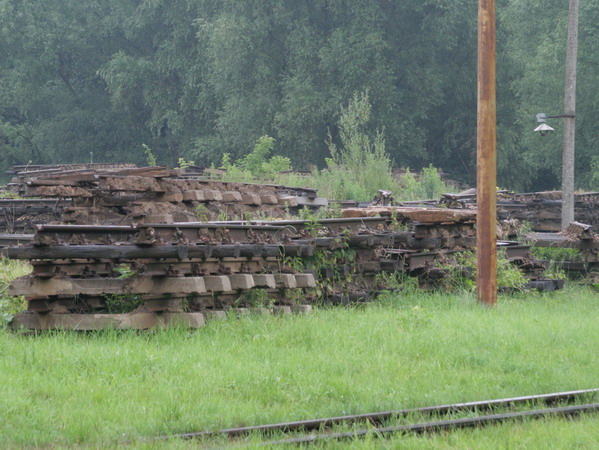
358	168
150	158
461	273
9	306
255	166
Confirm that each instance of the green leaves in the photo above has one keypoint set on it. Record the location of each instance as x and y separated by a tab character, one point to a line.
199	78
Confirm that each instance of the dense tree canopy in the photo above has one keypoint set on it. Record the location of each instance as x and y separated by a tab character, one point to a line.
96	79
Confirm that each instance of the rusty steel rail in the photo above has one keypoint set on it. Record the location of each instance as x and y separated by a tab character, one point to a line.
380	417
174	233
442	425
213	232
333	225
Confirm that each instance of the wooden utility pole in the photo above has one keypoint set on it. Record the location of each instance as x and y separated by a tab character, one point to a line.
569	117
486	174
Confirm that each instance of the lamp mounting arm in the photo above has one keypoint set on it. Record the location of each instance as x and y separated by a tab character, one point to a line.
570	116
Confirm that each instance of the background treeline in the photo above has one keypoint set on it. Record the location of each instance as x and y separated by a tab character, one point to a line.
96	79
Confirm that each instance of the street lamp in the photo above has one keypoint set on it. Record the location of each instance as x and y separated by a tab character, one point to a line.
567	162
545	129
569	117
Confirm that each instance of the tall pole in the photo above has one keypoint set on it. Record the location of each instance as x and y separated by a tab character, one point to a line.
569	117
486	222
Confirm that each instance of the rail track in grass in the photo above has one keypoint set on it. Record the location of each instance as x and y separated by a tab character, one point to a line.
555	405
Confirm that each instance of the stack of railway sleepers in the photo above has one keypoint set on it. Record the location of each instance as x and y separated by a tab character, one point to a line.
542	210
576	236
85	276
19	215
141	276
439	235
21	174
120	195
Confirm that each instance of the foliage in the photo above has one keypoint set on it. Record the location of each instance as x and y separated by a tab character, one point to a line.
202	213
335	266
359	166
557	254
182	163
198	79
594	175
124	271
536	50
428	186
508	275
255	298
332	210
255	166
393	282
9	306
150	158
461	273
9	194
122	303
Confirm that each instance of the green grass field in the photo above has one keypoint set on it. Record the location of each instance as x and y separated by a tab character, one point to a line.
99	389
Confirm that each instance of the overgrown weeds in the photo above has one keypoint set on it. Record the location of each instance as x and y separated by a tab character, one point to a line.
460	271
256	166
9	306
358	168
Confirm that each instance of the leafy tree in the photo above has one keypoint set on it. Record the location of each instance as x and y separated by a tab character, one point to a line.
536	59
195	79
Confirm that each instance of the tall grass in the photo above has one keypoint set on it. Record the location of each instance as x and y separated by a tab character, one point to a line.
360	165
338	182
65	388
9	306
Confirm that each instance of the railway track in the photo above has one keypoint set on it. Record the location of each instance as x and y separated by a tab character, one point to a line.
443	425
554	404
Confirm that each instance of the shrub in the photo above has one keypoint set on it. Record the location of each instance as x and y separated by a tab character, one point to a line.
150	158
9	306
255	166
360	166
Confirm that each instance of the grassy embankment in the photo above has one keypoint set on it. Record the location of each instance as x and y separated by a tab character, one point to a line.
404	351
